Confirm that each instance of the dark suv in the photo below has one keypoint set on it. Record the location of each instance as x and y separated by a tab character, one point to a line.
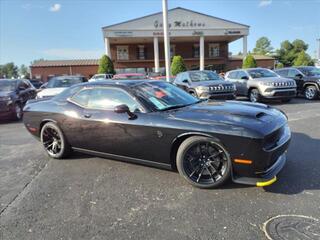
307	79
205	85
14	93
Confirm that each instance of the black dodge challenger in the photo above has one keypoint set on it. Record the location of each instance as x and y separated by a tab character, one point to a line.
158	124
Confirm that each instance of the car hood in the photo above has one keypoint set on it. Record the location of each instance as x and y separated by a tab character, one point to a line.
239	118
274	79
49	92
210	83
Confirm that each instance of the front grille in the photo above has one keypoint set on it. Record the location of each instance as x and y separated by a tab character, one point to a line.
285	94
3	107
222	88
271	140
283	84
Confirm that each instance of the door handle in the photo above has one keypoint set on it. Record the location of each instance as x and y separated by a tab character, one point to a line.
87	115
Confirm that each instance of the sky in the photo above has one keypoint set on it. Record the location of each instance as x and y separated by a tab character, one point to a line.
71	29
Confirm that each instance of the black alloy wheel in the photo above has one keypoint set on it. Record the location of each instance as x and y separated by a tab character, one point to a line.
53	141
254	95
311	92
203	162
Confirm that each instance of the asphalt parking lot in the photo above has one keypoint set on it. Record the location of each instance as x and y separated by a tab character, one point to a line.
93	198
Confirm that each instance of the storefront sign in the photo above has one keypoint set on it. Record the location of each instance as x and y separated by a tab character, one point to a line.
180	24
197	33
123	33
230	32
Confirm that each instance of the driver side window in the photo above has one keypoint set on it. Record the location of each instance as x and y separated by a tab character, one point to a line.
108	98
292	73
242	74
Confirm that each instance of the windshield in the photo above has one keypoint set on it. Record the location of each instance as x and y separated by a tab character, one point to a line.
310	71
63	82
163	96
261	73
7	85
199	76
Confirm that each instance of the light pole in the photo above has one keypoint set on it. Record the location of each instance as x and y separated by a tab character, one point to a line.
166	38
318	50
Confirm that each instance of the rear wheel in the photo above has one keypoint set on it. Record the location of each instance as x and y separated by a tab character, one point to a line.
254	95
311	92
203	162
54	142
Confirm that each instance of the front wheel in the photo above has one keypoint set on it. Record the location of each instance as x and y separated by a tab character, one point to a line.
254	95
54	141
18	112
203	162
311	92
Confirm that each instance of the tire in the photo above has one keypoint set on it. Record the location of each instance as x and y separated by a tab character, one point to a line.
311	93
54	141
18	112
203	166
254	95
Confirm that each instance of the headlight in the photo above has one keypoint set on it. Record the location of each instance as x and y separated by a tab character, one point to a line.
6	99
203	88
268	83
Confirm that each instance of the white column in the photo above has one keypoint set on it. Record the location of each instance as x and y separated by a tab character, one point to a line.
107	47
156	53
201	52
166	38
245	46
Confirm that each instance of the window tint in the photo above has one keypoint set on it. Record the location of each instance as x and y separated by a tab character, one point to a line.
292	73
233	75
241	74
198	76
108	98
82	97
23	85
283	73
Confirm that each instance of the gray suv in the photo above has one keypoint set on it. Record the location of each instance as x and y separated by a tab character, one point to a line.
262	84
205	85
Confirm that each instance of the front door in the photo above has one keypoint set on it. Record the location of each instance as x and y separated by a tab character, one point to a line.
241	83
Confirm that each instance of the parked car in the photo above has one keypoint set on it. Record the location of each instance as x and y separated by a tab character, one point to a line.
14	93
128	76
307	80
164	78
57	84
99	77
158	124
36	83
205	85
262	84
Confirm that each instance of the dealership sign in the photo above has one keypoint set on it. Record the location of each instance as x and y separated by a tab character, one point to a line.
180	24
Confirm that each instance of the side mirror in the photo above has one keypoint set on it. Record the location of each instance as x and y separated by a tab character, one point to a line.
123	108
299	76
185	81
245	78
43	86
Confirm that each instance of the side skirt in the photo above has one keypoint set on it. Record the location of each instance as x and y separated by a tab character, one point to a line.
123	158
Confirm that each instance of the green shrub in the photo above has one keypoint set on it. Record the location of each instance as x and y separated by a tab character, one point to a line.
279	65
106	65
177	65
249	62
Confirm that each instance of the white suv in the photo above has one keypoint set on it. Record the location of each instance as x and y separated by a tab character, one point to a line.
99	77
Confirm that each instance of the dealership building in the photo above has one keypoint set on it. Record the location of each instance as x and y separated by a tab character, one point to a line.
137	45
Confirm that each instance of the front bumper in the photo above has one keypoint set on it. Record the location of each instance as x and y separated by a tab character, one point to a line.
265	178
7	111
217	95
279	93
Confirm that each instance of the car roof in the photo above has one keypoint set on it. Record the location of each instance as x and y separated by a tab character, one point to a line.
115	82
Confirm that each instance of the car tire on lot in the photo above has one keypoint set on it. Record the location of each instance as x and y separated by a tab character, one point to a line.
203	162
193	93
311	92
18	112
254	95
54	141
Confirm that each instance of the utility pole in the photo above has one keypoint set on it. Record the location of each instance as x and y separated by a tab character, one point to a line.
318	50
166	38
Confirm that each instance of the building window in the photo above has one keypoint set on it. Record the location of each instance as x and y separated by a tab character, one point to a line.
214	50
141	54
172	50
196	51
122	53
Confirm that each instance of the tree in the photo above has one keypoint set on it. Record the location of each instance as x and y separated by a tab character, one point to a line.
24	71
279	65
263	46
303	59
106	65
249	62
8	70
289	52
177	65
